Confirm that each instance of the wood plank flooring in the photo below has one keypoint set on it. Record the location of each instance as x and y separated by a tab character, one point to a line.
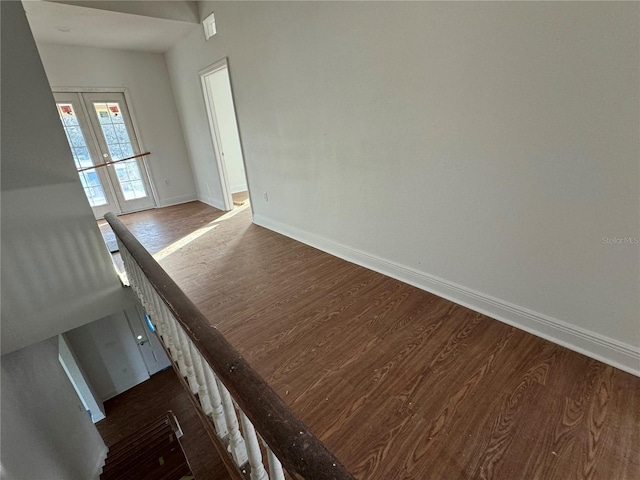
398	383
145	403
240	198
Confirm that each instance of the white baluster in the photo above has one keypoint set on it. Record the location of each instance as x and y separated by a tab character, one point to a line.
136	287
150	307
126	259
160	320
253	449
144	295
203	391
275	467
236	443
151	294
141	285
177	348
131	269
186	354
176	352
158	323
217	414
147	296
170	340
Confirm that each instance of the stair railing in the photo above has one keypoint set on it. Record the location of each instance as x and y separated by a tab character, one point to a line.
223	382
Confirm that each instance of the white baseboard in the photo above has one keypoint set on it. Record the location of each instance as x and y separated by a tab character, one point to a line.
102	458
613	352
167	202
211	201
238	188
123	388
96	417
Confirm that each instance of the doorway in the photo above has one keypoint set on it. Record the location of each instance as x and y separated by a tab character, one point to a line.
143	330
100	133
216	87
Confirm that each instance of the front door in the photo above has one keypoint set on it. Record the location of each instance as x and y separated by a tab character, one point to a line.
152	352
99	131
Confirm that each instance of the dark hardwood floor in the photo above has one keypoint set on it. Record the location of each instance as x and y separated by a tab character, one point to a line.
398	383
145	403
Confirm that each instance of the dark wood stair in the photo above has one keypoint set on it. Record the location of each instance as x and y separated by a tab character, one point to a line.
153	452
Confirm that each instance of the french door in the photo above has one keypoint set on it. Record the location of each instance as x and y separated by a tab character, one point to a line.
99	130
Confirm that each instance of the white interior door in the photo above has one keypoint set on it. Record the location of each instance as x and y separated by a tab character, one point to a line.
224	130
152	352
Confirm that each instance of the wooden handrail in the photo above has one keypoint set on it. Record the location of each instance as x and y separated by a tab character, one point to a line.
299	450
106	164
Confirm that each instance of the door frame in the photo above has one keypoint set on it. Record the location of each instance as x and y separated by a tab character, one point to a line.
134	124
215	132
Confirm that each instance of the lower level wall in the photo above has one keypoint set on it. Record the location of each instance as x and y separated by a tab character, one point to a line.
46	433
108	353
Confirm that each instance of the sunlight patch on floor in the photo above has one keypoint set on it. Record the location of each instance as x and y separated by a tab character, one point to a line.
187	239
184	241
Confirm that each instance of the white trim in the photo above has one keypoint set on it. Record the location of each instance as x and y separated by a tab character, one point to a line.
95	418
129	386
238	188
214	131
88	89
167	202
214	67
613	352
136	130
102	459
211	202
226	189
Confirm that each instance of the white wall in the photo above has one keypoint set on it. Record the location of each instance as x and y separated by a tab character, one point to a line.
46	433
187	91
79	380
153	106
479	150
56	271
109	355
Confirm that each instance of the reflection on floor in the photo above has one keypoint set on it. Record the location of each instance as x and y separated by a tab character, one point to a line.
145	403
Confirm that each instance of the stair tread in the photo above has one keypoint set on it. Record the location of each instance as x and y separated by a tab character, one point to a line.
151	453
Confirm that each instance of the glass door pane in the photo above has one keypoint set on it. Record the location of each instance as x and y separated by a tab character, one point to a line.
119	145
114	132
81	156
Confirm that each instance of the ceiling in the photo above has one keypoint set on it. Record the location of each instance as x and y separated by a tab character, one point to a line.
91	27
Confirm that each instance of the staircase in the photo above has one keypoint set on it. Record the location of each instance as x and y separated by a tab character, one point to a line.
152	453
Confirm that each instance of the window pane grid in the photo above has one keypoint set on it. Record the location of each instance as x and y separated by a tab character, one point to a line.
119	145
81	156
92	188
